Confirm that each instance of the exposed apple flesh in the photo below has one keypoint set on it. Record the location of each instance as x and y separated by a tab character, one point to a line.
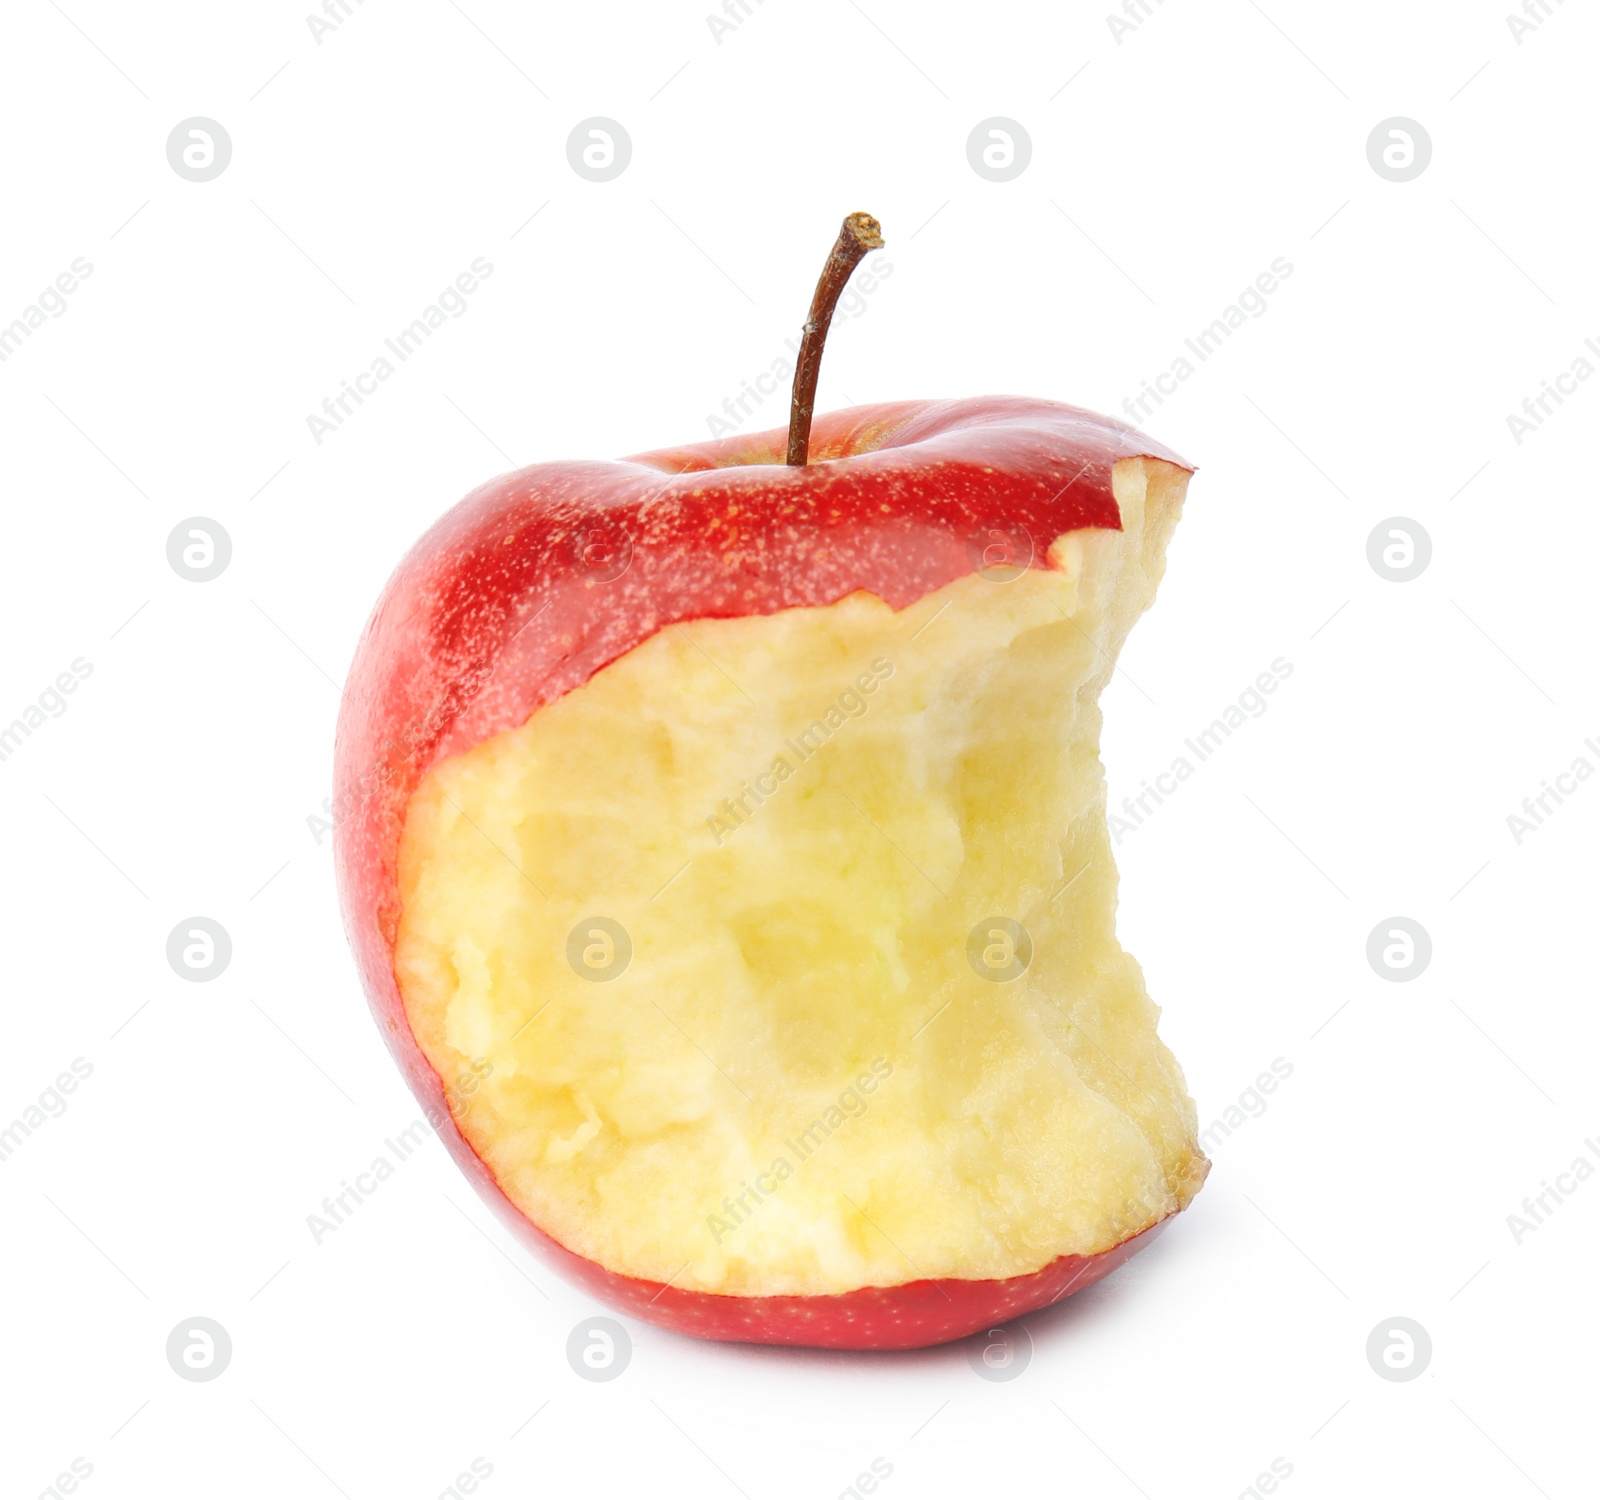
799	1086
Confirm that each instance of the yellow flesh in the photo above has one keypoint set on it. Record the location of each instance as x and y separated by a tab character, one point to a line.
706	1106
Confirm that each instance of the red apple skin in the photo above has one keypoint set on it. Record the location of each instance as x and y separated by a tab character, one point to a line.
912	1315
541	577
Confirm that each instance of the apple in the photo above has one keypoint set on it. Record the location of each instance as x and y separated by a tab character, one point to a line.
723	848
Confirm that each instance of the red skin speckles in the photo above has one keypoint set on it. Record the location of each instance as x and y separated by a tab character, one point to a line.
539	578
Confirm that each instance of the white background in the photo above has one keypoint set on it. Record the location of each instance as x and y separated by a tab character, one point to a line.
1168	170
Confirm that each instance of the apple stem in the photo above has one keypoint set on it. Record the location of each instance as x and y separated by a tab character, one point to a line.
859	234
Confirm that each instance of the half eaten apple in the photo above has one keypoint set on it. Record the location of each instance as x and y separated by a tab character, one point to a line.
724	849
